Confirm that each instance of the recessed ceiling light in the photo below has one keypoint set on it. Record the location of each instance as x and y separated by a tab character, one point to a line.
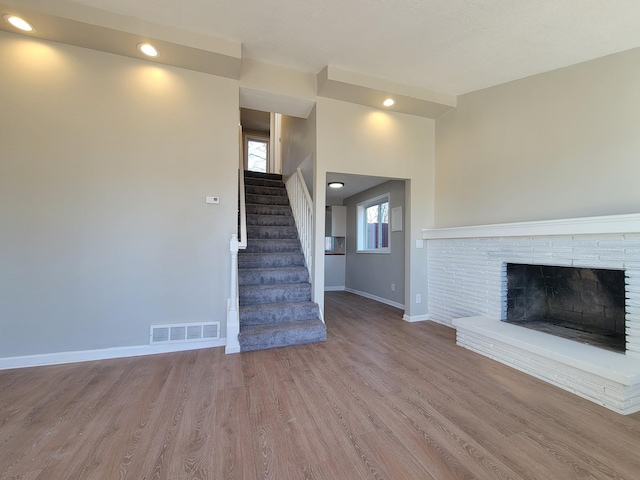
336	184
148	50
19	23
389	102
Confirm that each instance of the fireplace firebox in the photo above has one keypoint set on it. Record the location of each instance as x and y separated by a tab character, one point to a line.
586	305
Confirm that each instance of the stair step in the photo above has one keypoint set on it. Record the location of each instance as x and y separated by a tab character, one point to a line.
271	220
261	245
268	176
269	260
278	312
266	199
271	232
280	293
274	335
275	293
278	210
265	182
272	276
278	191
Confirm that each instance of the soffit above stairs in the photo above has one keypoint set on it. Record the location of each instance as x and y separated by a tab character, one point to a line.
273	102
277	89
339	84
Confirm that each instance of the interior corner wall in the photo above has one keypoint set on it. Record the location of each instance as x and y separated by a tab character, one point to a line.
299	144
373	273
362	140
561	144
105	164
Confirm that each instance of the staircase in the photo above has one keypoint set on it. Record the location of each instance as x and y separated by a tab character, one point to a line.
274	290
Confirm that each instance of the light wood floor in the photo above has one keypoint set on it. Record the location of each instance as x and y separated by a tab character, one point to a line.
382	398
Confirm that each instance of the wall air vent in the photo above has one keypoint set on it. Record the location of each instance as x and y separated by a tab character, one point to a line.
184	332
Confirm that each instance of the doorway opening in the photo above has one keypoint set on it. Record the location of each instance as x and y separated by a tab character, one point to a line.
365	237
260	141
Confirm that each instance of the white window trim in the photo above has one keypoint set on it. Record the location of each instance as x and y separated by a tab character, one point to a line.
360	208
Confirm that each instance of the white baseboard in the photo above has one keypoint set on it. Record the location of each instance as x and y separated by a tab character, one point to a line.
415	318
59	358
334	288
376	298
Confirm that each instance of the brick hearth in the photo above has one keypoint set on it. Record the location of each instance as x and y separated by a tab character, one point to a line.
467	279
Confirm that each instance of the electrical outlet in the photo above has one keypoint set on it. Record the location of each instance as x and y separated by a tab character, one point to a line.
418	298
393	287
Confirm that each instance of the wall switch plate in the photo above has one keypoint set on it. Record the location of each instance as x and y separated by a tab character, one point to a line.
393	287
418	298
419	243
212	199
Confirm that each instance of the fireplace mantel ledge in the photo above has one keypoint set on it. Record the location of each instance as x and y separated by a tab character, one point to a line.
570	226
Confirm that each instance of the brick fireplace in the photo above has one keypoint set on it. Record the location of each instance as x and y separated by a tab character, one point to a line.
469	289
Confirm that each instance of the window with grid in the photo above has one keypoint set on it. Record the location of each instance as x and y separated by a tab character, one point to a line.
257	154
373	225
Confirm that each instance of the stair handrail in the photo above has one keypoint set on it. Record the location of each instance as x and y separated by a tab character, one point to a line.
238	242
302	208
243	212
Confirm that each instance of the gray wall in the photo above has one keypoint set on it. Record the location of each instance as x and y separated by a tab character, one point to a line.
298	142
104	168
557	145
373	273
299	146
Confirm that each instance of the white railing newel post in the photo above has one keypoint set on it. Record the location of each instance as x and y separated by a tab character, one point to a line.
236	244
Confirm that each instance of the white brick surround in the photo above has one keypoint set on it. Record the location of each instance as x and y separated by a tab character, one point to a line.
467	278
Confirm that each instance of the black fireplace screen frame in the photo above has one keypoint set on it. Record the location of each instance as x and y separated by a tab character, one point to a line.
585	300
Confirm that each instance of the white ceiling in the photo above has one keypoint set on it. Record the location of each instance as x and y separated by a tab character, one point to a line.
449	46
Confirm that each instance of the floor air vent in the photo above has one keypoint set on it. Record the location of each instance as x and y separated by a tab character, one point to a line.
184	332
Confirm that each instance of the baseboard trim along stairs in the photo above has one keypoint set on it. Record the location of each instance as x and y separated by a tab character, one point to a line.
275	294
